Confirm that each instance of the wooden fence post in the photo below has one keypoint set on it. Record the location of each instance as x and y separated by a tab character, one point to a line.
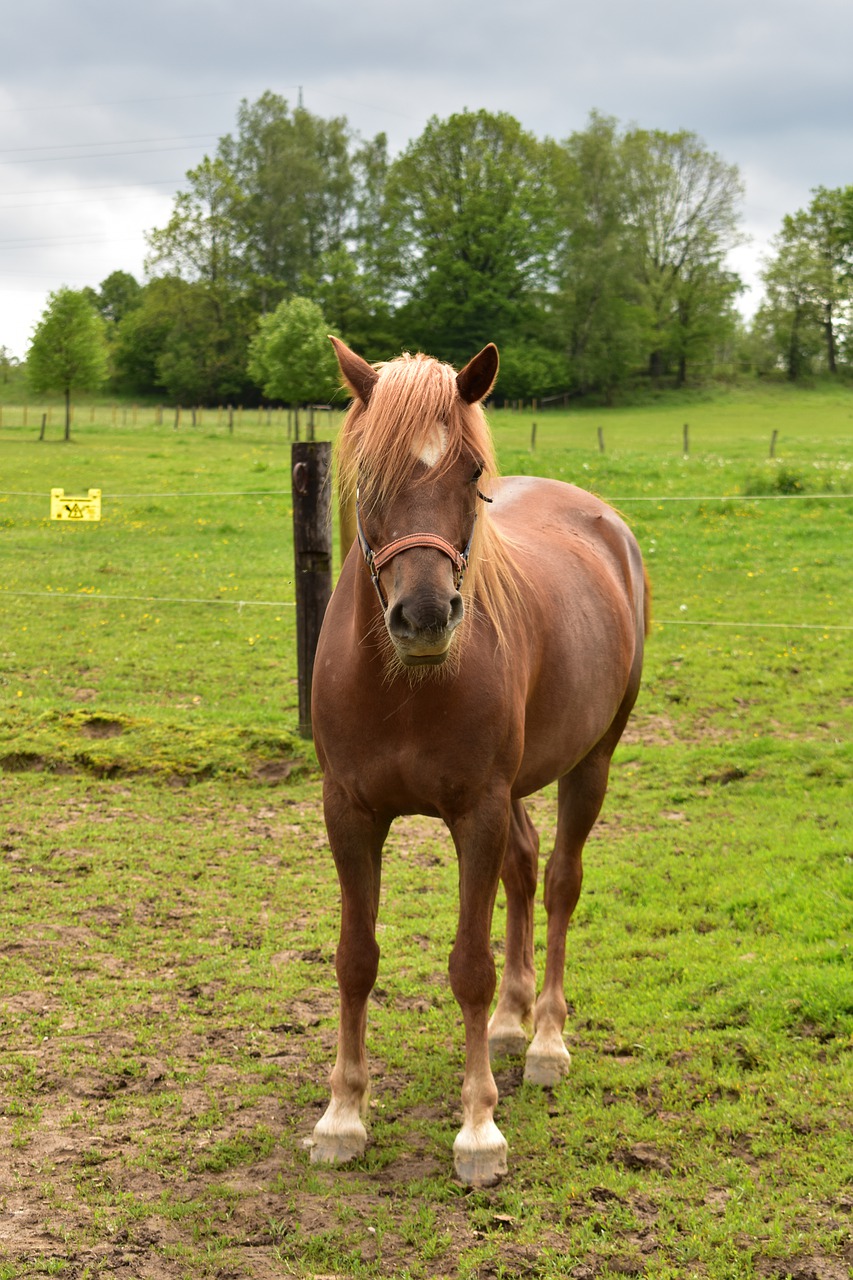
601	439
773	440
686	435
533	438
312	549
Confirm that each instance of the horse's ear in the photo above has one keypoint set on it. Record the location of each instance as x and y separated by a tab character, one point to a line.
358	374
476	380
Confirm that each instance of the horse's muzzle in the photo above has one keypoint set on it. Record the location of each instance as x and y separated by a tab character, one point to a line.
422	630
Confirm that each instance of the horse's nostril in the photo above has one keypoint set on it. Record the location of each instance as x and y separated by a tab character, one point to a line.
399	623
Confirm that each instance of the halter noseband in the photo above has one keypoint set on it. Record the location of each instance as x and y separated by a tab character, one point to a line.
375	560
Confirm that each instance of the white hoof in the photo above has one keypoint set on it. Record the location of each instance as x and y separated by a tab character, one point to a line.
547	1062
336	1140
479	1155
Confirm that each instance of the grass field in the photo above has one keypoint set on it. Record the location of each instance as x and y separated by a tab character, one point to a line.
167	1002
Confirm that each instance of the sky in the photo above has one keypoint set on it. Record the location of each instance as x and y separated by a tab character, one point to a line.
105	106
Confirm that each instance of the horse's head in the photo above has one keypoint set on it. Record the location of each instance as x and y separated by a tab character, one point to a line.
417	478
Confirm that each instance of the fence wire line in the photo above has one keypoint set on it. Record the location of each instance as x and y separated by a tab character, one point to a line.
291	604
203	493
85	595
286	493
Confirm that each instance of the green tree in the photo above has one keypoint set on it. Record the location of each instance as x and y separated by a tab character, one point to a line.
472	207
683	210
8	362
530	370
143	333
202	239
68	349
808	281
291	358
189	340
294	174
598	306
116	296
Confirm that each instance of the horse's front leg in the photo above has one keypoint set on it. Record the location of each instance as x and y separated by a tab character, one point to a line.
479	1152
356	838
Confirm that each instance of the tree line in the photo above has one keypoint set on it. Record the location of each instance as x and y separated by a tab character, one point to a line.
593	262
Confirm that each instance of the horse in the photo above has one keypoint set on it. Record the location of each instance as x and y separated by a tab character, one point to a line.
484	639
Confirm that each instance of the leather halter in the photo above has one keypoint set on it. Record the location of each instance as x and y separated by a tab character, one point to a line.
375	560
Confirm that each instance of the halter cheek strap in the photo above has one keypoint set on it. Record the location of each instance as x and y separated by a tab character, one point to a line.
375	560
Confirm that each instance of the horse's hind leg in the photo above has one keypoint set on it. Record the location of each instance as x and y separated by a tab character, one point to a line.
356	839
512	1020
581	794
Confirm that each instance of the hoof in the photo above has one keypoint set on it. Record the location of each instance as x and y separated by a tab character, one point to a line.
547	1066
479	1156
337	1145
511	1043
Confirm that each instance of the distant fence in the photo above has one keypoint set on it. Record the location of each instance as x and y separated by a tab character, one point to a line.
296	422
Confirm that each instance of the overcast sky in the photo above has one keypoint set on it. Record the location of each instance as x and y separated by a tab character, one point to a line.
104	106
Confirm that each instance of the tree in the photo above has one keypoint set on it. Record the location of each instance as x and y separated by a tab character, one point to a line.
68	349
201	240
808	280
295	179
205	348
598	307
291	358
473	211
143	333
682	206
8	362
116	296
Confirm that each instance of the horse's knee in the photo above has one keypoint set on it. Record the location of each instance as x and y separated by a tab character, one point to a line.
472	974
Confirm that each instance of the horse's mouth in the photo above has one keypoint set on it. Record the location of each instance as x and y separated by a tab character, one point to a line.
425	653
423	659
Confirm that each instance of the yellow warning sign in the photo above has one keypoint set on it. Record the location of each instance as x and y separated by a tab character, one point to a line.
65	507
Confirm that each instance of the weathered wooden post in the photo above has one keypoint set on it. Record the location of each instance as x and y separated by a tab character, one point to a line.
312	549
686	439
601	439
773	440
533	438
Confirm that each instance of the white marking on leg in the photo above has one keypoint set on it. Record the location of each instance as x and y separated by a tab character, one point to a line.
339	1135
548	1059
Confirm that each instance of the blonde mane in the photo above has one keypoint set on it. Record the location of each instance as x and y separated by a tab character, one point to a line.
414	398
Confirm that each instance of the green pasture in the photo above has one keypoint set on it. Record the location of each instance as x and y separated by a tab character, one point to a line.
167	999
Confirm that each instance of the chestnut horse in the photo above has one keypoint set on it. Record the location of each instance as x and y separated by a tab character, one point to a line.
484	639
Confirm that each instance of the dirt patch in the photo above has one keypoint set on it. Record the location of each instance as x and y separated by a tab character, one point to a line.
100	727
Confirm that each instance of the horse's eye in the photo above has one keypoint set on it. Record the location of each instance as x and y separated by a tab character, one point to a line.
478	471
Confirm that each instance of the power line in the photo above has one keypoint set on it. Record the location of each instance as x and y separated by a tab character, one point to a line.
104	155
70	240
118	102
113	186
119	142
64	204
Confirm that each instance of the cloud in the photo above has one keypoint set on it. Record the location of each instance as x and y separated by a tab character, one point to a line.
103	108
